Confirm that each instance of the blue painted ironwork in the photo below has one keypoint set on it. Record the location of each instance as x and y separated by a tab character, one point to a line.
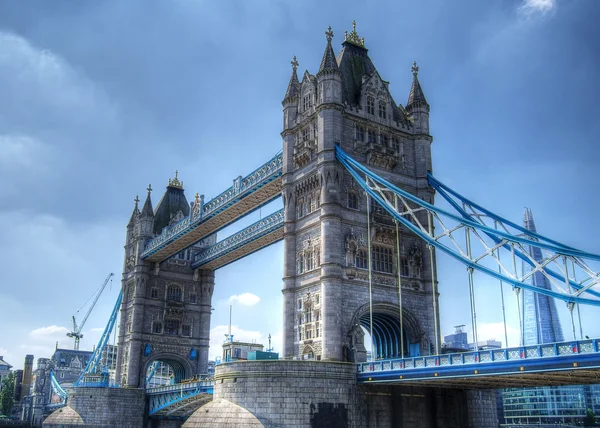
250	234
550	357
412	207
59	391
242	188
96	373
153	368
166	400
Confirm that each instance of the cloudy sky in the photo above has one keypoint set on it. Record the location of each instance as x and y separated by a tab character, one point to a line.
98	99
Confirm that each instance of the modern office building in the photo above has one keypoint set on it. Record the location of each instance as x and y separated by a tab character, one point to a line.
564	406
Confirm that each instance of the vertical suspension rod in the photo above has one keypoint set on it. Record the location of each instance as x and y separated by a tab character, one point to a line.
517	294
370	278
570	305
471	291
399	281
433	289
578	311
501	292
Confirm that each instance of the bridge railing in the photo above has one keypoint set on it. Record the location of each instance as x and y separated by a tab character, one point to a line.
241	187
588	346
165	389
247	235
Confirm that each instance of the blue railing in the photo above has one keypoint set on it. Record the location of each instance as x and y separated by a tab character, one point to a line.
241	188
168	398
253	232
560	349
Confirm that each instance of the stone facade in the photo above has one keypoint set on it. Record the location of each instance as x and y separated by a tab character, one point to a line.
165	313
326	292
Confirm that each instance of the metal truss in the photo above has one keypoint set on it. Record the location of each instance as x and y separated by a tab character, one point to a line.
245	196
564	363
177	401
253	238
95	373
57	389
492	249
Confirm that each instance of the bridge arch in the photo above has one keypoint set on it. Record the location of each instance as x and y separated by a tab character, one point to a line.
180	367
386	332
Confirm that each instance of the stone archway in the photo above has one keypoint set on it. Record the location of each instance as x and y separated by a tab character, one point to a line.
386	332
180	367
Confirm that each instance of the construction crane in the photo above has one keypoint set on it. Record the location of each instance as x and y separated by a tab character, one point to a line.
76	332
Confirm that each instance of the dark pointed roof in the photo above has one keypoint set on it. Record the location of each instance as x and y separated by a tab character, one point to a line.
172	202
293	89
328	63
354	63
147	209
416	95
135	213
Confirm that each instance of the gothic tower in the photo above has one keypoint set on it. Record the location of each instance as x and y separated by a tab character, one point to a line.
165	313
326	300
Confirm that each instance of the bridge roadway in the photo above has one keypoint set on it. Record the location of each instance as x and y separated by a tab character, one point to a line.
178	401
243	197
565	363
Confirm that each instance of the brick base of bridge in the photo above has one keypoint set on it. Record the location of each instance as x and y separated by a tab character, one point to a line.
325	394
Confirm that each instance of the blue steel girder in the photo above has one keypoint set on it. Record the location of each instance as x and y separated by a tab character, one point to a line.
564	363
179	400
466	237
258	235
245	196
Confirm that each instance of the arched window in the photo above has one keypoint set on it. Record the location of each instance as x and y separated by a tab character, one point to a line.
174	293
382	109
361	259
352	200
382	259
370	105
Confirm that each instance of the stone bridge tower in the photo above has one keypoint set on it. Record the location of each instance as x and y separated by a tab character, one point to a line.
326	287
166	308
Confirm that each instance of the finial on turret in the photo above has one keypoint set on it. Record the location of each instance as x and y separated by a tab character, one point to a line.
197	198
295	64
136	200
149	189
353	36
415	69
175	181
329	33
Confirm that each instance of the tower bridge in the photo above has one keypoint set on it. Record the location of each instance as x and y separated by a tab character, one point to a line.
361	234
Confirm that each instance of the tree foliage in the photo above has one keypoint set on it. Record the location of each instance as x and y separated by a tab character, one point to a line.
590	419
7	394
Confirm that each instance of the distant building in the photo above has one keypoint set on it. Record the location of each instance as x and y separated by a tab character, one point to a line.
458	340
235	351
486	345
4	370
544	406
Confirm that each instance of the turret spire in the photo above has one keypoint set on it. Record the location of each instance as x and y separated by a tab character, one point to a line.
136	211
147	209
293	89
416	97
328	63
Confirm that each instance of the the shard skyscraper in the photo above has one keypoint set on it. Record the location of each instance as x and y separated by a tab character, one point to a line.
540	318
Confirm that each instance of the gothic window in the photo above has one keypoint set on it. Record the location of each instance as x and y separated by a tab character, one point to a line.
371	105
300	336
383	140
300	207
192	297
308	316
396	144
308	333
301	263
309	258
186	330
382	259
352	200
154	293
129	323
130	290
305	134
376	208
156	327
172	327
317	330
317	298
300	304
403	266
382	110
174	293
372	137
360	133
317	315
361	259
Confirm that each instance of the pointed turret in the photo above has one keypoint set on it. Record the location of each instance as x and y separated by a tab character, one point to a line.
172	207
293	89
416	98
147	210
328	63
135	214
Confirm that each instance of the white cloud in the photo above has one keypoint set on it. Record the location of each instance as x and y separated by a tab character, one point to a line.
246	299
48	332
531	7
218	334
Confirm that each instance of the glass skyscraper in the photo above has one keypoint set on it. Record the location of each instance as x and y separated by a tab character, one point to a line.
557	406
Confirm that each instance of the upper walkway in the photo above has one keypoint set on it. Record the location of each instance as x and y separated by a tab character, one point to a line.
179	400
565	363
243	197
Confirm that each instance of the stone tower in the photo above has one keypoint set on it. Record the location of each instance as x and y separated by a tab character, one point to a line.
165	313
326	292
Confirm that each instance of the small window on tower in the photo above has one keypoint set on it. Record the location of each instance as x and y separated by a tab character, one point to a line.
361	259
382	110
154	293
371	105
186	330
157	327
383	140
352	200
360	133
192	297
372	137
